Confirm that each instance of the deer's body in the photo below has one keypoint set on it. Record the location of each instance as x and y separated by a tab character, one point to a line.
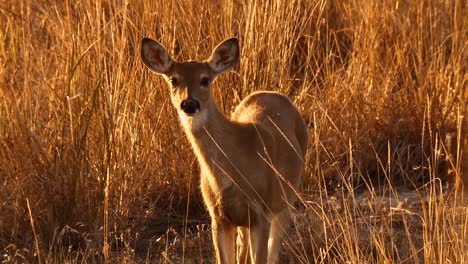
251	164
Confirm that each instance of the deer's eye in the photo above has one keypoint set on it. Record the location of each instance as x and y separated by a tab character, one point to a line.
205	81
174	82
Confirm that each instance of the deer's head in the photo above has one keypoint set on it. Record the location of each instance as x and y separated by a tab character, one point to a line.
190	81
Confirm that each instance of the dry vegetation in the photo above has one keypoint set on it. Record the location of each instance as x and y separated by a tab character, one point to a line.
95	168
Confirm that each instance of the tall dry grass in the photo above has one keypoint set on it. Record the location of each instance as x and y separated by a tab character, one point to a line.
94	166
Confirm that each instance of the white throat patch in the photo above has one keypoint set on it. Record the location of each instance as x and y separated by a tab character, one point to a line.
196	122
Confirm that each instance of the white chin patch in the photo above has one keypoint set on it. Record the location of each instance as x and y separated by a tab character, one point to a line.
194	122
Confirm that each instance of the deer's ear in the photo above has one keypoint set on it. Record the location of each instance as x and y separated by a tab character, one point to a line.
155	56
224	56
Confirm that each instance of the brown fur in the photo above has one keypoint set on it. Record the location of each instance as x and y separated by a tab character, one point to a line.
251	164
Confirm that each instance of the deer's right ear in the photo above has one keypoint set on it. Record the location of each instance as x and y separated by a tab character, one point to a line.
155	56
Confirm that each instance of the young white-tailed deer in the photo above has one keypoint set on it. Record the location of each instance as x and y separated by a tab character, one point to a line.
251	165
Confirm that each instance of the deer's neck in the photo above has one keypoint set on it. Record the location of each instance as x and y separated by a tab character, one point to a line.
212	137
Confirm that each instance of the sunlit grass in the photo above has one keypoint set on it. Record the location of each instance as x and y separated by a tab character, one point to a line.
94	166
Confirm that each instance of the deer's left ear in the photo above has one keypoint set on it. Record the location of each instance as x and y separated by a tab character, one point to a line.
224	56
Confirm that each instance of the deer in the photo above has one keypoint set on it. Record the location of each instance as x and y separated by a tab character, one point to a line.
251	164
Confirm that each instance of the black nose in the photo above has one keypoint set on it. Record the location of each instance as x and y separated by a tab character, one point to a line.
190	106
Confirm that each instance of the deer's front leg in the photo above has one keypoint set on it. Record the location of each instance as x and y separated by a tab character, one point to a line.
224	242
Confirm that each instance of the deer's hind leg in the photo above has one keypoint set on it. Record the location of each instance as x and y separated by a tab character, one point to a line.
243	245
279	224
259	241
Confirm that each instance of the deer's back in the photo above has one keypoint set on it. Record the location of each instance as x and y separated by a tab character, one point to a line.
275	113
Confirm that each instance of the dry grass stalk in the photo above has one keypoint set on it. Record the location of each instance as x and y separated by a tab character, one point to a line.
382	86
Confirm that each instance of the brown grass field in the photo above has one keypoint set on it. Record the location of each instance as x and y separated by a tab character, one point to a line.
95	168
